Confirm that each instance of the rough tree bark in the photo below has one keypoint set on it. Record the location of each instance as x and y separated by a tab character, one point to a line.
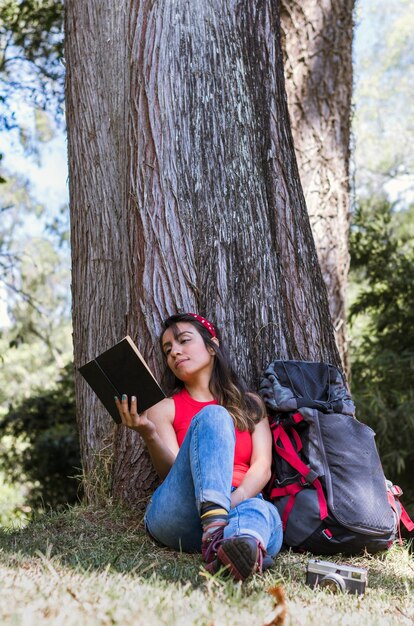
317	44
185	195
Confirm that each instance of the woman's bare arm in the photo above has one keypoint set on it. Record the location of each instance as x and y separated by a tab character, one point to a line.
156	429
259	472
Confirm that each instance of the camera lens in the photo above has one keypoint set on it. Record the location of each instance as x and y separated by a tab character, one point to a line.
333	582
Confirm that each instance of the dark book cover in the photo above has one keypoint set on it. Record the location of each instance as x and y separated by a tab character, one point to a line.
122	369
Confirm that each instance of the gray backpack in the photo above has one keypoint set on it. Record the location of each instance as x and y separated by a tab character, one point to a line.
328	483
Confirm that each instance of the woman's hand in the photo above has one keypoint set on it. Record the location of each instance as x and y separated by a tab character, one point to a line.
237	496
156	429
132	419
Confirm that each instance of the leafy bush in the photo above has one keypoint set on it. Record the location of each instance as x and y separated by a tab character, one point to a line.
383	354
44	446
13	512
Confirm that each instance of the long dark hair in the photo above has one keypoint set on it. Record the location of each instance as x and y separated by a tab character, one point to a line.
225	385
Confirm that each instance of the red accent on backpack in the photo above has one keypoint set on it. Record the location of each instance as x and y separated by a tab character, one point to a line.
287	451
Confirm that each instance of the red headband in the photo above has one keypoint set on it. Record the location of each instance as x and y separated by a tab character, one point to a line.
205	323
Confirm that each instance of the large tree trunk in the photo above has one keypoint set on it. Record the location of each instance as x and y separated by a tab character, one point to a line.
185	194
317	42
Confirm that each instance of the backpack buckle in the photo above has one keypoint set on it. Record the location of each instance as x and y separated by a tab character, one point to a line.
310	477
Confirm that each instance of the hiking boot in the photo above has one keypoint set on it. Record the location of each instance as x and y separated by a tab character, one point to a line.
242	556
210	543
268	562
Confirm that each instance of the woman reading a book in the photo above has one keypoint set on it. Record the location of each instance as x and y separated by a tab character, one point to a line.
211	443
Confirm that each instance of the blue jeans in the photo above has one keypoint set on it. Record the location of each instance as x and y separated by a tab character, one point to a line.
202	472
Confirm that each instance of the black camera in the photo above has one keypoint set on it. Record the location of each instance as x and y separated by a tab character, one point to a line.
335	577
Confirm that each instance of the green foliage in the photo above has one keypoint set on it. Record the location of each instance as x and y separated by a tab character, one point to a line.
35	343
34	26
34	274
36	340
31	37
13	510
44	447
41	286
34	294
383	354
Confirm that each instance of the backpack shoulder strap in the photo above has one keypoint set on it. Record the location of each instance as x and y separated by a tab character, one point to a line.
284	447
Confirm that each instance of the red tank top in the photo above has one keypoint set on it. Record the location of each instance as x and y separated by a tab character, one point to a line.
185	409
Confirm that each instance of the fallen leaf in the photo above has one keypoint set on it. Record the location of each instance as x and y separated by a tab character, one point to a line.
278	615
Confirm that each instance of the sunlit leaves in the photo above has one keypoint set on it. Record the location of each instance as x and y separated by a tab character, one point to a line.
383	351
32	49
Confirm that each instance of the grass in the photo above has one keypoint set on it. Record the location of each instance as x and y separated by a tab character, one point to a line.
98	567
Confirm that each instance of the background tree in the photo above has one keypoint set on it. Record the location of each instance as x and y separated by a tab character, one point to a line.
384	98
35	342
34	256
383	351
31	47
35	339
184	193
44	447
382	254
317	43
31	80
383	90
38	435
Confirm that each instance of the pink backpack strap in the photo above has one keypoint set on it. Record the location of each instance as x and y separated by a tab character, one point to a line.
393	494
290	455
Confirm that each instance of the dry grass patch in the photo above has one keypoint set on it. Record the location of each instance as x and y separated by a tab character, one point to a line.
98	567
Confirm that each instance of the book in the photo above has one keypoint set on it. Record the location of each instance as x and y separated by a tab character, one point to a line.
122	370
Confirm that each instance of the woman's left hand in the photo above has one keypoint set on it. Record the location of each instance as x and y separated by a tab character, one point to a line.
237	496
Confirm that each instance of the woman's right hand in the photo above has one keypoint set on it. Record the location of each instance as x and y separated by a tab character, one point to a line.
134	420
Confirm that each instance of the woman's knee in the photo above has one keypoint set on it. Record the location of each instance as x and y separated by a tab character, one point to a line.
214	415
214	424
